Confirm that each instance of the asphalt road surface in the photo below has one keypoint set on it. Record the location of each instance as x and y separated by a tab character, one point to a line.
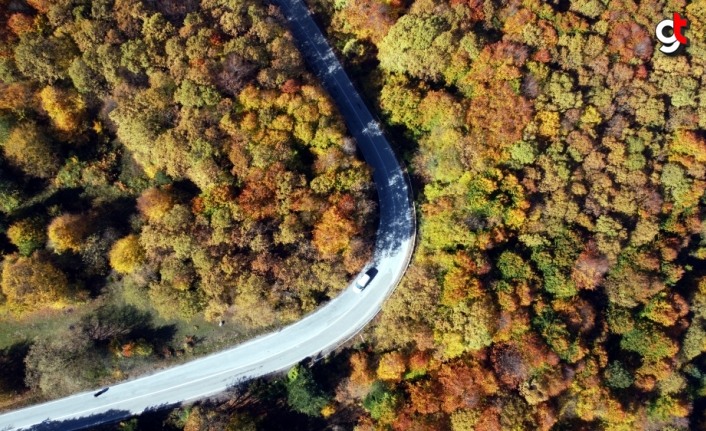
319	332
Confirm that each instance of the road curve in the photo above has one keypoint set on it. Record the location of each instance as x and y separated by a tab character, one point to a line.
319	332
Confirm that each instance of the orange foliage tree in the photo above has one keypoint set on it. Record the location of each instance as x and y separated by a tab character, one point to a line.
154	203
333	232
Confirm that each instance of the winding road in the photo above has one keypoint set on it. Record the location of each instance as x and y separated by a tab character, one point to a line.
319	332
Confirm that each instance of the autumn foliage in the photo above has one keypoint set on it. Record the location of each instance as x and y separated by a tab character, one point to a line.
127	254
560	158
33	282
557	156
29	149
68	232
177	156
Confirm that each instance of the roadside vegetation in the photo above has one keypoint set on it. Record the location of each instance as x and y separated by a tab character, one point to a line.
165	168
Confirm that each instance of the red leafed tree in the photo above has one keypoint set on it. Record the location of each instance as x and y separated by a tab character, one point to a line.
360	380
333	233
154	203
589	269
258	198
460	390
20	23
291	86
489	419
579	314
368	18
418	361
475	6
546	416
630	40
497	115
509	364
425	397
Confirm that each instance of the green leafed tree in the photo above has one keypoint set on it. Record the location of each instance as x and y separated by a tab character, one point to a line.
417	45
303	393
617	377
381	402
44	59
193	95
649	342
10	197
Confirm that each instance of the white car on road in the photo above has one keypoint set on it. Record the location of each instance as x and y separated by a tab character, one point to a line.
364	279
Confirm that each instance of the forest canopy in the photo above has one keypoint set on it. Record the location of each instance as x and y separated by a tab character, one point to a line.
559	162
174	155
559	159
236	162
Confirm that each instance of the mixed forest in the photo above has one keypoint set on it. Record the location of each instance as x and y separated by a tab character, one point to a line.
559	283
165	161
559	164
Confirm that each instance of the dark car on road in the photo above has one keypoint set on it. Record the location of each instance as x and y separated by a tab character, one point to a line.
101	392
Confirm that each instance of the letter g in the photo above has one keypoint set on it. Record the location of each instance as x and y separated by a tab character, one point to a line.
669	43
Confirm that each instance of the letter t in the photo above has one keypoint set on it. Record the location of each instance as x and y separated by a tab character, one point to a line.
679	24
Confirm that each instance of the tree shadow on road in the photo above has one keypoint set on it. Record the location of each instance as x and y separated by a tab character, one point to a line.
395	227
397	218
147	419
81	423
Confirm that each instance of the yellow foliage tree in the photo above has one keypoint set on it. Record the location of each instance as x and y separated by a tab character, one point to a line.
27	235
548	123
65	108
328	410
127	255
32	282
30	150
194	420
391	367
68	232
250	305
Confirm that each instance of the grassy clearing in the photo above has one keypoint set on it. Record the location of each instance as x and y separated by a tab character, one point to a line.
191	338
43	323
